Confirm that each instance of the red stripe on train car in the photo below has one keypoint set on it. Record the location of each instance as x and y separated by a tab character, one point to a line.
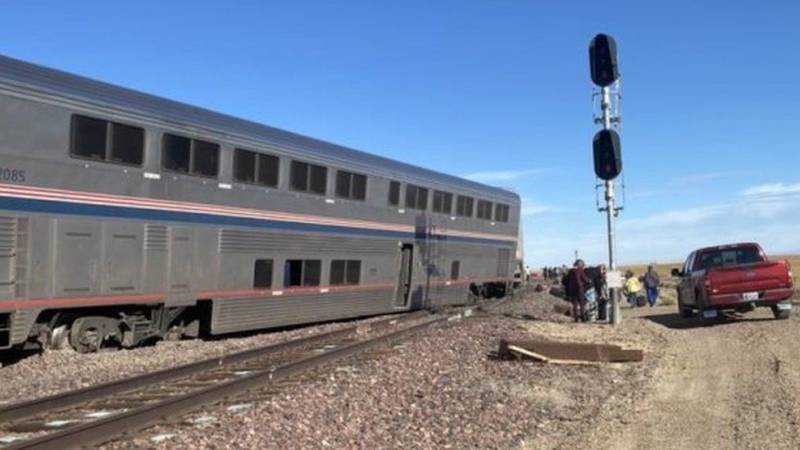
160	297
81	301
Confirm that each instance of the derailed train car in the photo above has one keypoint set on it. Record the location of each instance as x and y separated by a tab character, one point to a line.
126	217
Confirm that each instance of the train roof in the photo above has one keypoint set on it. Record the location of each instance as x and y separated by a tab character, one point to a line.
29	76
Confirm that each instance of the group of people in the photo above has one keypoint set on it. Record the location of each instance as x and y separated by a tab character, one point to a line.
554	273
587	289
638	292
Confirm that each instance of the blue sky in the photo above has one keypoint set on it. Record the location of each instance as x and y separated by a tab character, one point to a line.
497	91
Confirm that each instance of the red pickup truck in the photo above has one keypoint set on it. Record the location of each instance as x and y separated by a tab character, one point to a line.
736	277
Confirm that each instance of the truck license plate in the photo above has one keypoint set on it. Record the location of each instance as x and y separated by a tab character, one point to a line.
748	296
784	306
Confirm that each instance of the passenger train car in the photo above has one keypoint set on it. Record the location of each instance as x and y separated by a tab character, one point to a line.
126	217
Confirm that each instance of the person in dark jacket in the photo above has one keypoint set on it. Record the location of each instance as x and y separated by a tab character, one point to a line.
651	284
576	281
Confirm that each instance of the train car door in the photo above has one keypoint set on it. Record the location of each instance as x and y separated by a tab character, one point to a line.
405	275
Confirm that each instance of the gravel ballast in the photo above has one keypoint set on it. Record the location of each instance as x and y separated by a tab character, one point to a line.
443	390
52	372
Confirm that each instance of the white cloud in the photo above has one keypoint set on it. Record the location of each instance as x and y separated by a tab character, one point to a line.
772	190
530	209
675	218
502	175
771	200
698	178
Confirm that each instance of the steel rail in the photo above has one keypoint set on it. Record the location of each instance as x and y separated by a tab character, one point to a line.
55	402
107	429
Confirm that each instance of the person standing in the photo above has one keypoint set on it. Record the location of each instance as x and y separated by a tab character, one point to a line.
633	289
602	292
576	280
651	284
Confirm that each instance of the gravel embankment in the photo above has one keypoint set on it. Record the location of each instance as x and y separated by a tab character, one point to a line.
52	372
445	390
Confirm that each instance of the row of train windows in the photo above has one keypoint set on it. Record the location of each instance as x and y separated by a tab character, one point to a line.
307	273
124	144
417	198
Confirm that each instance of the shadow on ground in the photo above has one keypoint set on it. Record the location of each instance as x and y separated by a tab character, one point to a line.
676	322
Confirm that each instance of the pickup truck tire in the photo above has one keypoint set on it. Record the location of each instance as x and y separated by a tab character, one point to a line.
781	314
684	311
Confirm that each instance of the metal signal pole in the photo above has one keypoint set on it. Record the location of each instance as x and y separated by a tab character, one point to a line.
606	143
605	107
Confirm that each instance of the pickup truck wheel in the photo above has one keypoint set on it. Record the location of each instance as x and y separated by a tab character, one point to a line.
685	312
781	314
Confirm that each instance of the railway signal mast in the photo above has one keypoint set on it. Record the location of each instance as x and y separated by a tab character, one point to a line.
606	143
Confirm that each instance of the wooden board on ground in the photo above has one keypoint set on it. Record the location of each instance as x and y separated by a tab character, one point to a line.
567	352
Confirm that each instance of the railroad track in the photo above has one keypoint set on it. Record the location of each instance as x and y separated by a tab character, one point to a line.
98	414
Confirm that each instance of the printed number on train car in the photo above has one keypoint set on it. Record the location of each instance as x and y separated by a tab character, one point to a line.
12	175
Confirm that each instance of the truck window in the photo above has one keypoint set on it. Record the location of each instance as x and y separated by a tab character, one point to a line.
687	266
730	257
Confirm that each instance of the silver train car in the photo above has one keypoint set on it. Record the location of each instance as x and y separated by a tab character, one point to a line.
126	217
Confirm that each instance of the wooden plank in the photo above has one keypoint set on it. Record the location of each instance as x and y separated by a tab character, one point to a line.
531	354
568	352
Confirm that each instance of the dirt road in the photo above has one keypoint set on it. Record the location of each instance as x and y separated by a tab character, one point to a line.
732	385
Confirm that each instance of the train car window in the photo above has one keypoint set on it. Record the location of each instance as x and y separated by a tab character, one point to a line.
177	151
308	177
464	206
312	272
442	202
501	213
337	272
411	196
88	137
353	271
416	197
252	167
127	144
268	167
359	187
484	210
244	166
343	183
455	268
394	193
319	179
262	274
351	185
205	158
298	178
293	273
345	272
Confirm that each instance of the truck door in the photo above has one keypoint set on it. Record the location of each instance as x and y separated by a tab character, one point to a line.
686	286
405	275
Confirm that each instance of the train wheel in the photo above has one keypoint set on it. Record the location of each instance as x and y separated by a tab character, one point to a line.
90	334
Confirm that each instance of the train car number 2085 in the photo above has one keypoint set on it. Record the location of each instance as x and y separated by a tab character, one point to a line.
12	175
